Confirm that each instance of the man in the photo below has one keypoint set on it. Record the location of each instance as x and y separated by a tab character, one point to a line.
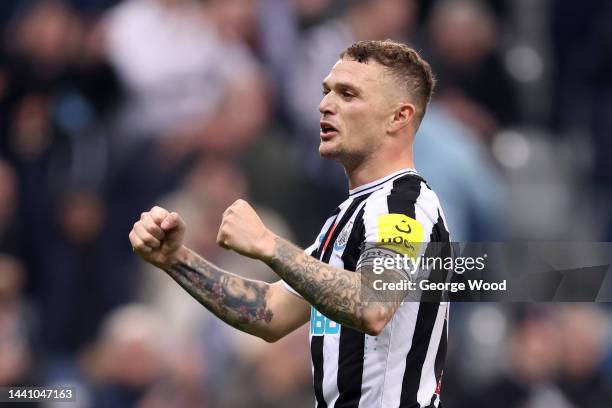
315	53
374	353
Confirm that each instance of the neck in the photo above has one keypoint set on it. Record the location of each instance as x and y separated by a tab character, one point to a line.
372	170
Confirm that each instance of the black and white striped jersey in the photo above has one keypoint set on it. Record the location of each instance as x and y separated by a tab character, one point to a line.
401	367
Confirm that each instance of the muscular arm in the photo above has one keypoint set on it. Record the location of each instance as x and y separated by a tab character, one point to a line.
265	310
337	293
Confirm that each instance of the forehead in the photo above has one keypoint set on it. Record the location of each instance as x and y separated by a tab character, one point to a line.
356	73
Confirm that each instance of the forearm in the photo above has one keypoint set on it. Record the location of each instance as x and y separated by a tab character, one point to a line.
335	292
240	302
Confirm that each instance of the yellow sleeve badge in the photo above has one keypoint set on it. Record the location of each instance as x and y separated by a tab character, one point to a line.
400	233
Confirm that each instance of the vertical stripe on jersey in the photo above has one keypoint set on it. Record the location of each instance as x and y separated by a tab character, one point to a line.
402	200
350	367
392	345
441	355
416	356
439	246
352	342
403	196
317	343
316	352
351	253
428	383
376	348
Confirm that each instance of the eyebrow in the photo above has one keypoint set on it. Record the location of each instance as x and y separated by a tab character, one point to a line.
344	85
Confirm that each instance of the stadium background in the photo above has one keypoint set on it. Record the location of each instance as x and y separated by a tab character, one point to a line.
108	107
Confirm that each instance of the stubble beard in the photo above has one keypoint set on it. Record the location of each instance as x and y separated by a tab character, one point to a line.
349	160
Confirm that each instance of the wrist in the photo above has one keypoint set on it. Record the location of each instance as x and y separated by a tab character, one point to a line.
180	255
267	246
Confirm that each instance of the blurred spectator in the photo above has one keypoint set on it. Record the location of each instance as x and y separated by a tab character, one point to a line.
259	383
210	187
582	91
54	52
473	83
462	173
191	86
59	89
12	235
183	383
533	358
553	359
189	78
310	12
17	325
130	360
235	20
93	6
586	332
501	8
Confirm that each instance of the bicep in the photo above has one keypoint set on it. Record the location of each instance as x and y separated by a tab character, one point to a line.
289	310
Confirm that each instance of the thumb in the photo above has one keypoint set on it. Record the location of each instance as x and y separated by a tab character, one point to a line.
171	222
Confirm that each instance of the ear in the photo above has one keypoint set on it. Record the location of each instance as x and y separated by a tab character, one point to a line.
402	117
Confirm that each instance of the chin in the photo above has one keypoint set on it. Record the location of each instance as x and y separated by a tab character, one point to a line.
328	151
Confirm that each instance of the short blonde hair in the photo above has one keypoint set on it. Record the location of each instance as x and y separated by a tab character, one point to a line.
404	63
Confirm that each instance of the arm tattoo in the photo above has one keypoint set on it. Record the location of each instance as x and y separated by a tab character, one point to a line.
239	302
335	292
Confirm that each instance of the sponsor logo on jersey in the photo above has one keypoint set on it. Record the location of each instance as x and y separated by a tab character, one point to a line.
321	325
400	233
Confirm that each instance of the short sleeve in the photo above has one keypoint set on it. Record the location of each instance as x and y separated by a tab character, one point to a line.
396	223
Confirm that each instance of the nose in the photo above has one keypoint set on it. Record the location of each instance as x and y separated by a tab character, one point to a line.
327	105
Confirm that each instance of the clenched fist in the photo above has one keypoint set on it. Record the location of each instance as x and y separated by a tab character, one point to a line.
158	236
243	231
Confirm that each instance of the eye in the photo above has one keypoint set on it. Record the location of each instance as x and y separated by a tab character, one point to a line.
325	91
347	95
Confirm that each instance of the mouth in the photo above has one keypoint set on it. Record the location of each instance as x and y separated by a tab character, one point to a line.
327	131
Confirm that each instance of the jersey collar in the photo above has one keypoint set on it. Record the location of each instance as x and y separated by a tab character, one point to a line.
368	187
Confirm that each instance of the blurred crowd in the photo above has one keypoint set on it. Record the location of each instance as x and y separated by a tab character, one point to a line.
108	107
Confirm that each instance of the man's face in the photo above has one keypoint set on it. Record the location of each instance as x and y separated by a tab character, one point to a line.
356	108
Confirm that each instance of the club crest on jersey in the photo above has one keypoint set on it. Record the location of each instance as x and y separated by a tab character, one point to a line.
343	237
400	233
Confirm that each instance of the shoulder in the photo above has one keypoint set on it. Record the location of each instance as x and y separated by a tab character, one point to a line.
407	204
404	195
